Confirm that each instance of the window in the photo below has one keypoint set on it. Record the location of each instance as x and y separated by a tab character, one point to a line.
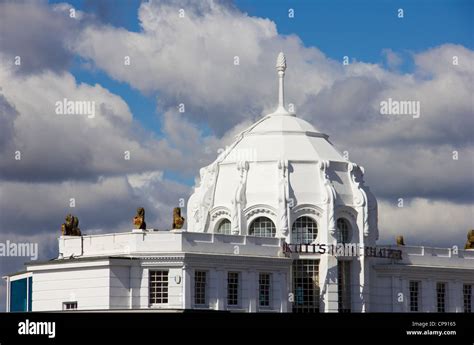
200	287
304	230
158	288
21	293
262	227
344	286
264	289
306	286
441	297
224	227
414	295
343	230
467	297
233	289
70	306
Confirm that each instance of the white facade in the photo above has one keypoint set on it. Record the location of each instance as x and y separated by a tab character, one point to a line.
279	185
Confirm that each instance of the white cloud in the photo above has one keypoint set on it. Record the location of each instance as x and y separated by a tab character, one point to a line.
423	222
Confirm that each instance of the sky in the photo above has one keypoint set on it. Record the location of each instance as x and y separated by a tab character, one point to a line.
426	55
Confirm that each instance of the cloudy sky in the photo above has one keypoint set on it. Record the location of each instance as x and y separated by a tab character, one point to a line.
140	61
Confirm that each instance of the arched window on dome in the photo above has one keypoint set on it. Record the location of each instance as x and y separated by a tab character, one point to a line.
262	227
343	230
304	230
223	227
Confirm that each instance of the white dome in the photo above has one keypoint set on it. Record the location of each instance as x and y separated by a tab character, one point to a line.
283	168
283	137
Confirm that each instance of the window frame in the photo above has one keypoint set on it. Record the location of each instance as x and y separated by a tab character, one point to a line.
441	297
164	289
467	297
269	292
220	223
414	308
251	231
205	304
294	234
339	232
73	303
236	290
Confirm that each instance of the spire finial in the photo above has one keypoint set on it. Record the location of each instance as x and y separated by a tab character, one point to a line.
281	67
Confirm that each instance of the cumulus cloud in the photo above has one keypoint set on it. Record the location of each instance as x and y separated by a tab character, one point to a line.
38	34
219	63
63	146
424	222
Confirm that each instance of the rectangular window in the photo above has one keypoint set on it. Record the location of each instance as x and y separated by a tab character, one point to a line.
200	287
70	306
467	297
21	294
264	289
414	295
441	297
306	286
344	286
233	289
158	287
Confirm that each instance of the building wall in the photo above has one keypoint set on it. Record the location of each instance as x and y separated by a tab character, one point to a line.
90	287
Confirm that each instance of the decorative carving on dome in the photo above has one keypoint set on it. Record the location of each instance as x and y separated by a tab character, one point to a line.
283	197
329	195
363	198
218	212
307	209
281	62
258	209
201	201
356	178
239	200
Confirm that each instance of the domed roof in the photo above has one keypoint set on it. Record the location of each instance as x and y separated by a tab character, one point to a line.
280	167
282	137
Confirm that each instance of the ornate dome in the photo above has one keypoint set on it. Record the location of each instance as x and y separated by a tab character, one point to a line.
277	171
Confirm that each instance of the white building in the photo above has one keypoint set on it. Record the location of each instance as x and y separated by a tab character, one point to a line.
279	222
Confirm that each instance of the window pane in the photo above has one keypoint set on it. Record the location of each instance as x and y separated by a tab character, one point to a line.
233	288
467	294
343	230
441	297
264	289
158	287
306	286
304	230
344	286
414	295
224	227
200	287
262	227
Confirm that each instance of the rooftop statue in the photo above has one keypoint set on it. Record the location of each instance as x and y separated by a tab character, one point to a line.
71	226
400	241
178	221
470	240
139	219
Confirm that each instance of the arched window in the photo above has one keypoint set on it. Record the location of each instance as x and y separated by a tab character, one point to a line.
343	230
262	227
224	227
304	230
